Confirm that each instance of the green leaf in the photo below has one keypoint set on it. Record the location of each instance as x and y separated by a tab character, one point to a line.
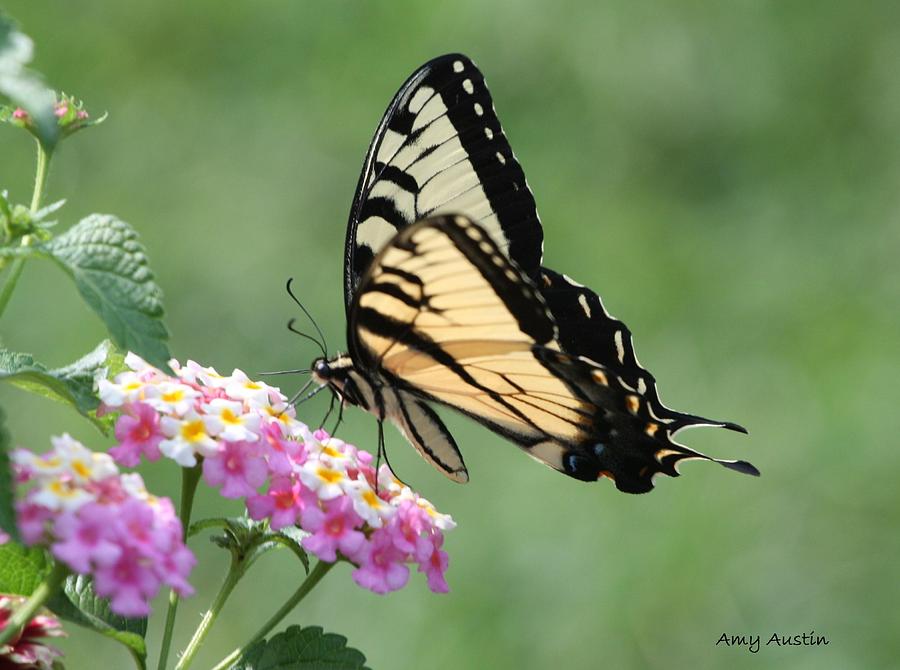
73	384
77	602
21	568
23	87
302	649
7	511
110	269
247	540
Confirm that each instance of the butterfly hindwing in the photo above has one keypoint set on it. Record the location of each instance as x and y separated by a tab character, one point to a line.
626	441
586	329
423	429
440	148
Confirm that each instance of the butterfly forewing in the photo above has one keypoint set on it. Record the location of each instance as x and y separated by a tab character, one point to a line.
443	313
440	148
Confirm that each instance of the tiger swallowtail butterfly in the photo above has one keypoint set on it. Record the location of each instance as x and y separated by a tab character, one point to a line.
447	304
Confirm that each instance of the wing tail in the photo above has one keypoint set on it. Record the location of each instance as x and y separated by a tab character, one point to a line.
629	446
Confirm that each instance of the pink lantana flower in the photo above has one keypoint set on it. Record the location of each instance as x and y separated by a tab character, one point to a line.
101	523
237	467
127	583
381	565
87	536
139	433
433	561
281	453
333	530
282	503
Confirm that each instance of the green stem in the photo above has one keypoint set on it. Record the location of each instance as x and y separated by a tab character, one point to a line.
314	578
235	572
189	479
40	180
27	611
40	177
9	284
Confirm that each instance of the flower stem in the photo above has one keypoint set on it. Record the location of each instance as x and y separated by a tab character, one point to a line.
27	611
235	572
314	577
18	264
40	176
189	479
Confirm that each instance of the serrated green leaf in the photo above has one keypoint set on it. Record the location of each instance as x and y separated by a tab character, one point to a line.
78	603
302	649
23	87
247	539
7	511
21	568
110	269
73	384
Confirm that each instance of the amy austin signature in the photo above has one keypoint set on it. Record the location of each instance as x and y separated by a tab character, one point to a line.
753	642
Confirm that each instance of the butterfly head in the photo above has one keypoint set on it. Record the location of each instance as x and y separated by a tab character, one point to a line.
342	377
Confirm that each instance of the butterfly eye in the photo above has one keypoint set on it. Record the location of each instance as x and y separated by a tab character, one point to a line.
321	368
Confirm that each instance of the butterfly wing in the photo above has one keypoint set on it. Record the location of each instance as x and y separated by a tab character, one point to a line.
444	315
439	149
587	330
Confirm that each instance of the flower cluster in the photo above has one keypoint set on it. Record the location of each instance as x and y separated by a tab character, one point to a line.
253	447
68	111
28	649
102	523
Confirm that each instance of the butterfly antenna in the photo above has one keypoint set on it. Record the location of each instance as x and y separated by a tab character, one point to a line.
307	336
324	344
284	372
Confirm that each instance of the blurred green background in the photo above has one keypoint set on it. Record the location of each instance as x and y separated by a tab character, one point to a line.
725	175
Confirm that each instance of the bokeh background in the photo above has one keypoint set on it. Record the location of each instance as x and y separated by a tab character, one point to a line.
725	175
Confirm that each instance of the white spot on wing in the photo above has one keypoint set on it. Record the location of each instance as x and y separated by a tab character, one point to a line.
489	133
419	98
501	158
374	233
390	142
620	348
582	300
479	110
468	87
458	66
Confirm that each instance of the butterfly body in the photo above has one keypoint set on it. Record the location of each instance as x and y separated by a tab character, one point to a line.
447	304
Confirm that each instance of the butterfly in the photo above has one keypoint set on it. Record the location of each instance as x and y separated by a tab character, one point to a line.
447	304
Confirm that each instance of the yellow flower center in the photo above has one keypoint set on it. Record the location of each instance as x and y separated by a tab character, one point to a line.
62	489
192	431
81	469
229	417
49	463
331	451
371	499
173	396
329	476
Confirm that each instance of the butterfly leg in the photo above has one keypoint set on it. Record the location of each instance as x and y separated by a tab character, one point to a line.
328	413
340	417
